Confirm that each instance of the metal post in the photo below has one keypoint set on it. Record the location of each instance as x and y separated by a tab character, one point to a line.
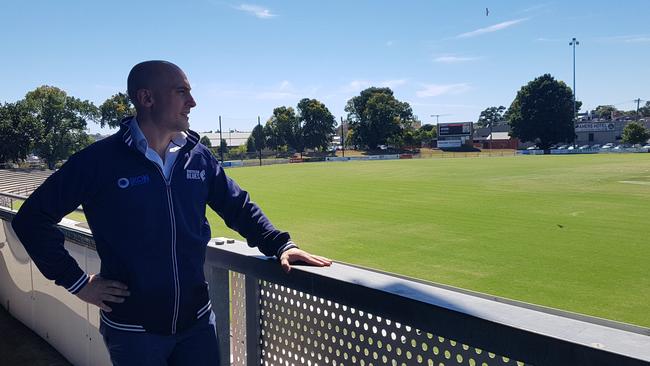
253	333
219	289
342	138
220	140
574	43
259	147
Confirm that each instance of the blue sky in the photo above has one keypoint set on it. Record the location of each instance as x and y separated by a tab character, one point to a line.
245	58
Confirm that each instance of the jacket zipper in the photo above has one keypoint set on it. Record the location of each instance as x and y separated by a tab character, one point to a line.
170	202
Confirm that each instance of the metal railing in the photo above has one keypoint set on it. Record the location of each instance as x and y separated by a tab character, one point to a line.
347	315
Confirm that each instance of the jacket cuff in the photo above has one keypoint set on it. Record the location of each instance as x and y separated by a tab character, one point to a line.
74	281
290	244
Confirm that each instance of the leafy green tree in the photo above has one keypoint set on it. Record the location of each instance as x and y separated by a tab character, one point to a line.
19	129
318	124
205	140
63	119
286	129
427	133
605	111
492	116
256	141
377	116
542	112
114	109
635	133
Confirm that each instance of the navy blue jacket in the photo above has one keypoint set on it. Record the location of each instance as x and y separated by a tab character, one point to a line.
150	233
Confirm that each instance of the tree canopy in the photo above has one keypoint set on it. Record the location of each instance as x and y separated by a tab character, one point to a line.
318	124
19	131
63	121
635	133
205	140
542	112
377	117
114	109
492	116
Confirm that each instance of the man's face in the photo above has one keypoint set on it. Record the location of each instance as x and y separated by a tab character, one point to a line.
172	101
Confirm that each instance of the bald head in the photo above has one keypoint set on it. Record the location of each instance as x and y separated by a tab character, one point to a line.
149	75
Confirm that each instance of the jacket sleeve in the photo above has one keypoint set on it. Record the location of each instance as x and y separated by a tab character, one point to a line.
239	213
35	223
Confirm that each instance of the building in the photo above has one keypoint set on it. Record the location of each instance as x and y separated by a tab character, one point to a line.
603	131
233	138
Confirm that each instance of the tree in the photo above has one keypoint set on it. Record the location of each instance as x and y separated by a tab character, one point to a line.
635	133
285	129
18	131
318	124
205	140
63	119
376	116
256	141
114	109
606	111
427	133
492	116
542	112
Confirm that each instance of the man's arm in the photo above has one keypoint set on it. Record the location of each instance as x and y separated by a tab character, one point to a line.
241	214
35	226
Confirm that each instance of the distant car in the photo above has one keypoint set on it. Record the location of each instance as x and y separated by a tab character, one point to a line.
583	147
618	147
595	146
563	147
608	145
647	146
571	147
531	148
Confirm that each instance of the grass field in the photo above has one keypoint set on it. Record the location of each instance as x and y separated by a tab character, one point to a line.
569	232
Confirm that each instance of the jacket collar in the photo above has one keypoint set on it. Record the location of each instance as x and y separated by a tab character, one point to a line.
126	135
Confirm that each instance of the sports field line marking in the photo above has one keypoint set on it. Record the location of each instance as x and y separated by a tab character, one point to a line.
634	182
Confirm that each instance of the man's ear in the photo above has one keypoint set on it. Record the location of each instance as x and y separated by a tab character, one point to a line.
145	97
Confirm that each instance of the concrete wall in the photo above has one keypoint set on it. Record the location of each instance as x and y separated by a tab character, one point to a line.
68	324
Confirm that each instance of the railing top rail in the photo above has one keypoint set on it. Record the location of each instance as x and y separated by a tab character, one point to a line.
21	197
519	331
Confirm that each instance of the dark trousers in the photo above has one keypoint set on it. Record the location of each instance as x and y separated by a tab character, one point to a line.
196	346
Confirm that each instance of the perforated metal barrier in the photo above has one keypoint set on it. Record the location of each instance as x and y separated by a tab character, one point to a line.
297	328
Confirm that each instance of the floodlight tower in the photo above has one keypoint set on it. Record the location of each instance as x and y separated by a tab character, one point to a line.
574	42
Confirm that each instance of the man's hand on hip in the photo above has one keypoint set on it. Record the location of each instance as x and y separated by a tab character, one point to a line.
298	255
98	291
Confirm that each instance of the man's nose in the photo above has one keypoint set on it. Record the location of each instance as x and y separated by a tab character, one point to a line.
191	102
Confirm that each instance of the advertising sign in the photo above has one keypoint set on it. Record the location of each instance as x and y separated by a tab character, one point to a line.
455	129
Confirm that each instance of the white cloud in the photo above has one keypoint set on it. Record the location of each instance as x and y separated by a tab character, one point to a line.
638	40
358	85
434	90
630	38
256	10
449	59
492	28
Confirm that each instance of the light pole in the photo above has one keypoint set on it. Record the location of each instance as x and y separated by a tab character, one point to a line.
574	42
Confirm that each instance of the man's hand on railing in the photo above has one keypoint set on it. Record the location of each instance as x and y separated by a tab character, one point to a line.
294	255
98	291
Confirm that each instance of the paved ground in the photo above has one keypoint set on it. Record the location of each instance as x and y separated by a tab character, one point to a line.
20	346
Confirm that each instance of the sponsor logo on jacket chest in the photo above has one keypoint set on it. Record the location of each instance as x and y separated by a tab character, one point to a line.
133	181
195	174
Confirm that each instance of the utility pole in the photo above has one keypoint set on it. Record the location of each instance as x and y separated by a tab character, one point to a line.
259	144
220	140
638	101
574	42
342	137
437	116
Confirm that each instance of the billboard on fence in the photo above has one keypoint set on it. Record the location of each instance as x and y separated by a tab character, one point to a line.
455	129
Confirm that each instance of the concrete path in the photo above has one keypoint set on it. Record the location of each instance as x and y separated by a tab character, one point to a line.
20	346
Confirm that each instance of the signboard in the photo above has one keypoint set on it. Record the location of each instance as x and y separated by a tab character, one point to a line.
449	143
594	126
455	129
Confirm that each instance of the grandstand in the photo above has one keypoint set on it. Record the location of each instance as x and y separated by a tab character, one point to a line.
22	181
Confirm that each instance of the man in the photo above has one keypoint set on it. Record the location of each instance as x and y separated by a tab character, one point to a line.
144	191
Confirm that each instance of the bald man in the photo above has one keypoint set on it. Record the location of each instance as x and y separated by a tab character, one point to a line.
144	191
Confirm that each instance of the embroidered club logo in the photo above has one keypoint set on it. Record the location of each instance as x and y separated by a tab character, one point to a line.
195	174
133	181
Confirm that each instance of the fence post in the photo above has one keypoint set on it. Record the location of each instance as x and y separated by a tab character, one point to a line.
253	335
219	289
